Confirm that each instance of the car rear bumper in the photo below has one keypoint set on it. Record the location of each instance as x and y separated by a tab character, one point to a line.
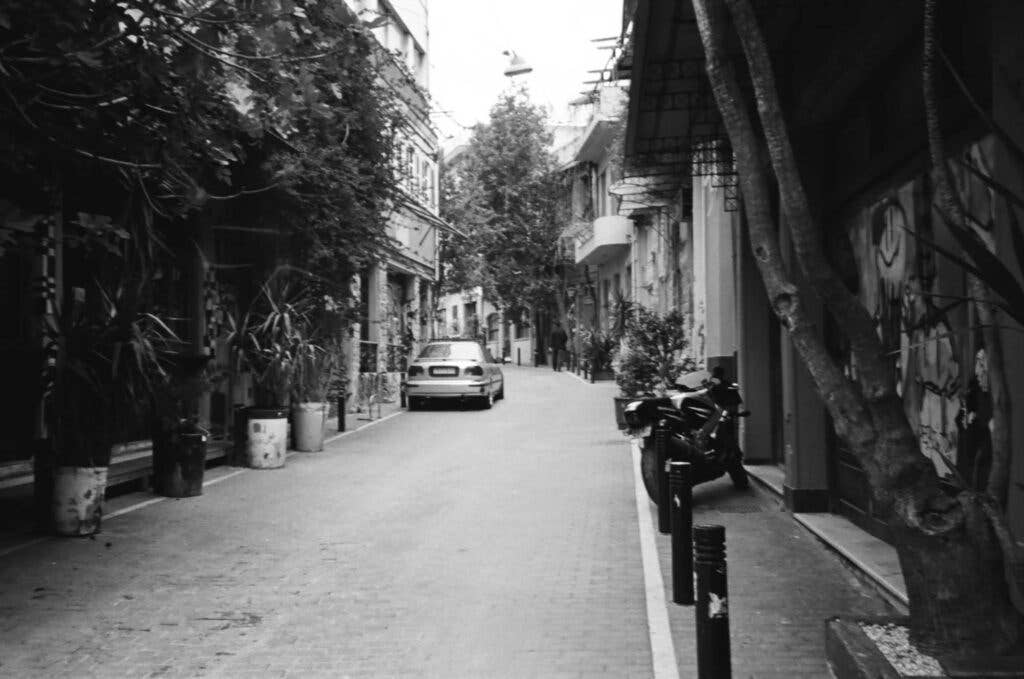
446	388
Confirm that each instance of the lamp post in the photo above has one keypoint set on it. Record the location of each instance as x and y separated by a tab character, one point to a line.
516	64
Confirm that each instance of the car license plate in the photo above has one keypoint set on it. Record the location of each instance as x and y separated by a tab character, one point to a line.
444	371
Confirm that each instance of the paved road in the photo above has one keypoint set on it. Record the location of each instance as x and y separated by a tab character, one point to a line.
449	543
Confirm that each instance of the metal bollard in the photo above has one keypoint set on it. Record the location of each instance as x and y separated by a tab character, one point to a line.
680	486
661	455
712	609
401	389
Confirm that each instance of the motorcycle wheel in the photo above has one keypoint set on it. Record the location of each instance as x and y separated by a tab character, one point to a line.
740	480
649	469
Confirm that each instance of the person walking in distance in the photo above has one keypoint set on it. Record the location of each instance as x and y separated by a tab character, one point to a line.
558	340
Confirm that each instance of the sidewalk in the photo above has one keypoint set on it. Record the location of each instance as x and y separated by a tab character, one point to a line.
16	530
783	582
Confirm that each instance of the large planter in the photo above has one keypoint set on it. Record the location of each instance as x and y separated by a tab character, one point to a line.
854	652
266	438
179	462
78	499
309	426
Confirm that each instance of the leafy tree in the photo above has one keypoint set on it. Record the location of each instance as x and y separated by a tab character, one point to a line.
962	567
504	194
153	111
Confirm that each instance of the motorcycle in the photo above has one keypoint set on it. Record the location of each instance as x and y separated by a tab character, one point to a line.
697	424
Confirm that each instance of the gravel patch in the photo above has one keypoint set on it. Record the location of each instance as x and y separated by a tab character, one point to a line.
894	643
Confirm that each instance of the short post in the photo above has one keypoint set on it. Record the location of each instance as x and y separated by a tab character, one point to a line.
342	399
680	489
401	389
662	457
712	609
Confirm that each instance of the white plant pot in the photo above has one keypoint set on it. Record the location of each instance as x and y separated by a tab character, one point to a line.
78	499
309	426
267	440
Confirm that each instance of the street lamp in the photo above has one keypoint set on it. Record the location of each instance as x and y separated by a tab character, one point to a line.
516	64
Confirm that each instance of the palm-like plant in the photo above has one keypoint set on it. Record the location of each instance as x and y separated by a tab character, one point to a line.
111	362
315	367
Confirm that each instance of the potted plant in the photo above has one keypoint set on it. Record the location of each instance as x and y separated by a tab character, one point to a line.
651	357
109	364
634	377
314	370
273	336
598	350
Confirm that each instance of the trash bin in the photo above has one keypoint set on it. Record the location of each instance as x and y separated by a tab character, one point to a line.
179	460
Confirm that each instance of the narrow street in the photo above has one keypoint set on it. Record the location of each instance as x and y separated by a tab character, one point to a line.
443	543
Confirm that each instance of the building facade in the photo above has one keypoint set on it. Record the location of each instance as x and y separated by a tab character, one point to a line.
855	114
397	293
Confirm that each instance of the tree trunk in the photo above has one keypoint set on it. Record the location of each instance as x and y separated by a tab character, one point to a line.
944	543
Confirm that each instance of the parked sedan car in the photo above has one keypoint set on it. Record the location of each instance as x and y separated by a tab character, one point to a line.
459	369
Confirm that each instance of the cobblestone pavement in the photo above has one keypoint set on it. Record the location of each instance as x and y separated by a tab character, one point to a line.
448	543
782	585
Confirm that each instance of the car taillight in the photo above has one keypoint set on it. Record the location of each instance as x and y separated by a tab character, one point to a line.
415	370
474	370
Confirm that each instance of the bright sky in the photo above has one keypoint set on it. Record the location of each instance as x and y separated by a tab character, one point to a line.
467	38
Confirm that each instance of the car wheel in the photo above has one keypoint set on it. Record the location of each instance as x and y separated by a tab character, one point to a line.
414	403
487	401
501	392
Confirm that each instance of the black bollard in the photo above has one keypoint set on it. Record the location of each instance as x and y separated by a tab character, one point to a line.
342	399
680	489
712	609
661	455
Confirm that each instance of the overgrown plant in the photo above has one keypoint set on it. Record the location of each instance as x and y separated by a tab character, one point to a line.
652	353
598	349
111	361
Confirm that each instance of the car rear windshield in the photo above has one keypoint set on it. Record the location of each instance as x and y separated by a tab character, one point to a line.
457	350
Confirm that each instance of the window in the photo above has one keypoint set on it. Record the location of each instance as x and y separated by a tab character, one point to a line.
384	30
425	183
469	351
420	67
410	167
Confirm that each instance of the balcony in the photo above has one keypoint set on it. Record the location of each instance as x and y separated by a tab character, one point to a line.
609	237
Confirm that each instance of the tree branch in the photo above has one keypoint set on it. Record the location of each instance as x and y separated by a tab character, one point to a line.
850	315
999	473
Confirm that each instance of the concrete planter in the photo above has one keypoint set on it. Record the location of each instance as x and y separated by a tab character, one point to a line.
309	426
853	654
78	499
266	438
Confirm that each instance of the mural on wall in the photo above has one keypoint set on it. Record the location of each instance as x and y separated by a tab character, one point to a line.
921	315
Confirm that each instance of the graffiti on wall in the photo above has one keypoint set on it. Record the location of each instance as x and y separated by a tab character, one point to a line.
921	316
